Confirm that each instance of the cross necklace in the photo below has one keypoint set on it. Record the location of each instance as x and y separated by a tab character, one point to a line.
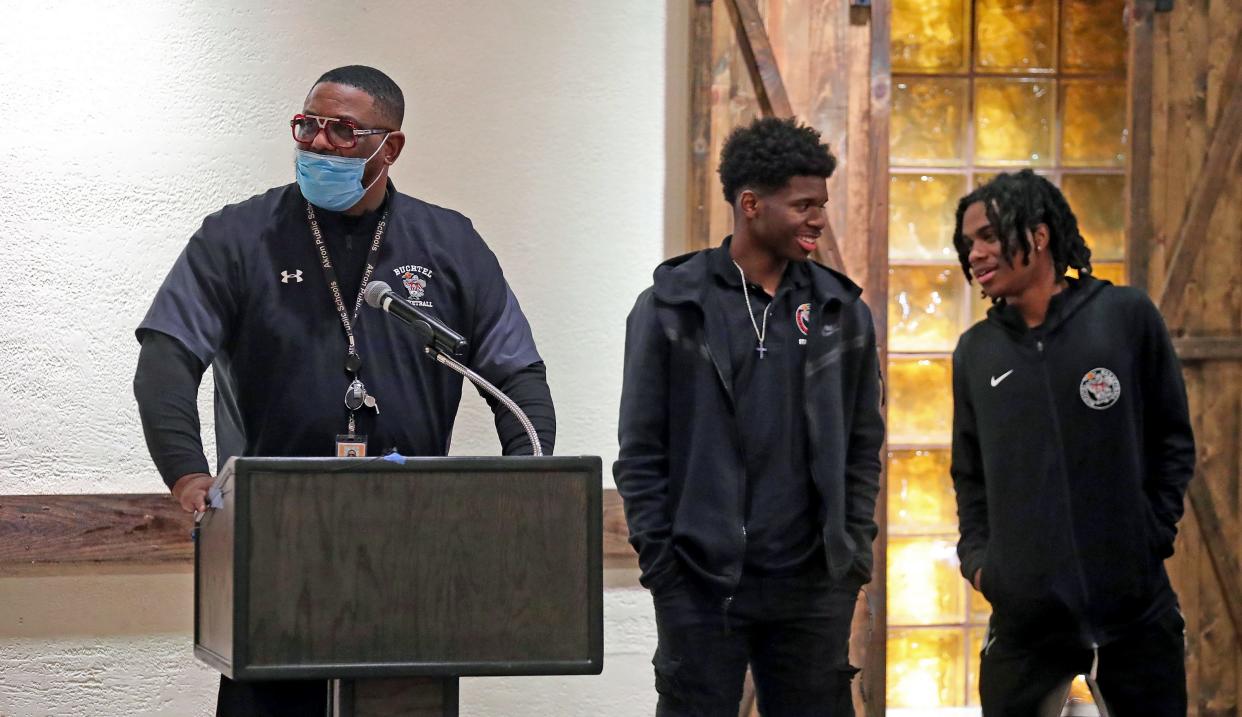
760	333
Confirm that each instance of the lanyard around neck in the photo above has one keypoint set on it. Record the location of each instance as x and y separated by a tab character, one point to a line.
353	361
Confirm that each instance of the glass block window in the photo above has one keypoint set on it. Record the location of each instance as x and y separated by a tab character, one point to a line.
979	87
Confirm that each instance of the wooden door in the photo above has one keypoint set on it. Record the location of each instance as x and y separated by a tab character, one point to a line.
1185	234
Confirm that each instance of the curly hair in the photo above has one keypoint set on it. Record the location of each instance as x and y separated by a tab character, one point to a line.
1016	204
388	98
764	155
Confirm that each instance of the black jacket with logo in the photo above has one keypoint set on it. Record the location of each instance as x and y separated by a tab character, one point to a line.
680	469
1072	449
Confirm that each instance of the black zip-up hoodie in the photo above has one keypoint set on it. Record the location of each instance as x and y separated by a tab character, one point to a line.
1072	449
680	469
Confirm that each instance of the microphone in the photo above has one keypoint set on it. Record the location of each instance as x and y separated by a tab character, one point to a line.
378	295
442	344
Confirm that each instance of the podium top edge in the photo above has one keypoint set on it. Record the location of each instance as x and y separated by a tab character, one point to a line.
516	464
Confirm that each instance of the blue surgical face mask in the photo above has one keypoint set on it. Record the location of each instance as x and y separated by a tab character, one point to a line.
331	182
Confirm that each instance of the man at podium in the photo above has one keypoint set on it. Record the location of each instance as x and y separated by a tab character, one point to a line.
268	293
750	437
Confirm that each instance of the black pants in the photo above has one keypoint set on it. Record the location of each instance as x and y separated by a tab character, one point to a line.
1141	675
286	698
792	631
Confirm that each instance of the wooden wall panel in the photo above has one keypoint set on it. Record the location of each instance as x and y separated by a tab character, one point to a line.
699	193
864	238
1141	185
733	104
828	61
123	530
1217	431
789	27
756	51
873	89
1192	71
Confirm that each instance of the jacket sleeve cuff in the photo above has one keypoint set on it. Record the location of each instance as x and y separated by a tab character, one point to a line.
972	563
667	575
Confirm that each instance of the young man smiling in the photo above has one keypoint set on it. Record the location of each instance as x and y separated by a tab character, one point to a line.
750	435
1072	449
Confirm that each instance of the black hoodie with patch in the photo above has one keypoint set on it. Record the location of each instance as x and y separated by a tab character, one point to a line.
1072	450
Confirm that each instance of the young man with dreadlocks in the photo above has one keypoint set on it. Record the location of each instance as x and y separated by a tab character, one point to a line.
750	436
1072	449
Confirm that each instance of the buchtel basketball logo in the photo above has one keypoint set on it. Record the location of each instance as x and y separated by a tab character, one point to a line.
414	284
415	279
1099	388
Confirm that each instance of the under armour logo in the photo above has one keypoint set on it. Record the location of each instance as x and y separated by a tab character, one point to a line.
286	276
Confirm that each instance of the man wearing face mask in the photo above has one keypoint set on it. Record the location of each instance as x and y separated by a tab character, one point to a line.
268	291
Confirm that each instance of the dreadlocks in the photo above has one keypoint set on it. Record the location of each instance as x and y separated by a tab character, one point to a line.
1016	204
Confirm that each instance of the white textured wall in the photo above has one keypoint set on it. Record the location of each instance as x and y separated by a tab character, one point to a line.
546	122
543	121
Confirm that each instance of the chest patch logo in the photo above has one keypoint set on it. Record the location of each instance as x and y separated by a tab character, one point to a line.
416	285
415	279
1099	388
286	277
802	318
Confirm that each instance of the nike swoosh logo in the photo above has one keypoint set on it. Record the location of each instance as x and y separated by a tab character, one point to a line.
997	379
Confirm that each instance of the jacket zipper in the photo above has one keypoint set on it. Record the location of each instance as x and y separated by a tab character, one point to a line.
1056	427
737	441
741	490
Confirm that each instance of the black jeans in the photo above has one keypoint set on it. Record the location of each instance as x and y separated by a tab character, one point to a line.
285	698
1141	675
792	631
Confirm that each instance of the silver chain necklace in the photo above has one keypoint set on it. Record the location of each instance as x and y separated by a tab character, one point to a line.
760	333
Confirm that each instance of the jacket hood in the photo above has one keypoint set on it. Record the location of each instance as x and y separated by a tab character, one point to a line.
1064	305
684	279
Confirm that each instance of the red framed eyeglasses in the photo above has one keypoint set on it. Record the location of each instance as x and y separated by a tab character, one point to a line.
341	133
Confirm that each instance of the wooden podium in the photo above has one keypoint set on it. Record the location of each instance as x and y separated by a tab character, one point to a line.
392	579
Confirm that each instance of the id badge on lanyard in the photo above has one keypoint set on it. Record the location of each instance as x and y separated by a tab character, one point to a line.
351	445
